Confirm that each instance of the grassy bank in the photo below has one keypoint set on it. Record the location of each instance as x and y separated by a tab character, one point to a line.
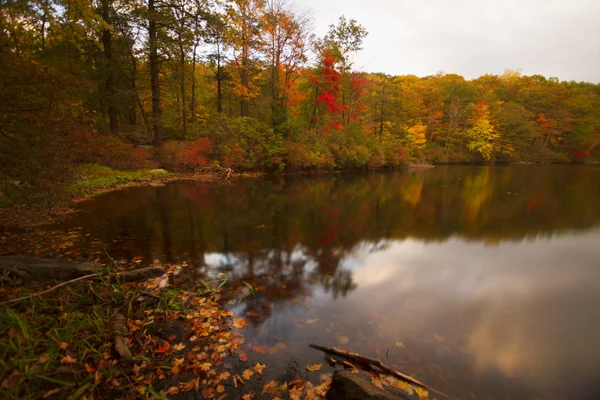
90	177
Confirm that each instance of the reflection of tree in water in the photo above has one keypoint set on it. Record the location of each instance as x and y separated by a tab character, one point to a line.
328	216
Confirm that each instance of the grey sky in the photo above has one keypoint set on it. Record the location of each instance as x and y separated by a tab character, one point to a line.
472	37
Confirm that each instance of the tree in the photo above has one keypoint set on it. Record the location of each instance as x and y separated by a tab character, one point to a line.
244	35
154	74
482	135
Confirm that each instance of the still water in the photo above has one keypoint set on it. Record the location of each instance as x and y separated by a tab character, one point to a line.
482	281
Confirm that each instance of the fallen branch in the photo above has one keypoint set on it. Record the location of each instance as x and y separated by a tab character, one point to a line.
360	359
31	296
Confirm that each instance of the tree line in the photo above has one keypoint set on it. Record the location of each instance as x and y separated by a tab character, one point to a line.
249	84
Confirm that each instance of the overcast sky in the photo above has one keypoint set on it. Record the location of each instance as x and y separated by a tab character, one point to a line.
472	37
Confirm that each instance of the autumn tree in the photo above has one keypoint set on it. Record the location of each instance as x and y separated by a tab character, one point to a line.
245	37
482	135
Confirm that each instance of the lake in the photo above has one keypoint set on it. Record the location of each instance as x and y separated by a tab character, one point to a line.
482	281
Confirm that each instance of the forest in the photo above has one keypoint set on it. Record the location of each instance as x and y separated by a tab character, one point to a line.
181	84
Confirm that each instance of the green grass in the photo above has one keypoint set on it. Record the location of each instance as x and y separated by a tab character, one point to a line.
93	176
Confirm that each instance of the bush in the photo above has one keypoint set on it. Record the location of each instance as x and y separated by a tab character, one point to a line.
185	155
113	152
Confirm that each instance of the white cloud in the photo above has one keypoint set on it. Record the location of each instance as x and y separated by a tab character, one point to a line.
473	37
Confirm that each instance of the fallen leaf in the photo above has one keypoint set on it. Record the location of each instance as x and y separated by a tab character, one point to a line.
298	383
68	360
314	367
295	394
247	374
178	361
179	347
311	321
439	338
172	390
422	393
238	323
206	367
162	348
341	339
259	368
399	344
248	396
220	389
270	387
63	345
43	358
92	369
277	347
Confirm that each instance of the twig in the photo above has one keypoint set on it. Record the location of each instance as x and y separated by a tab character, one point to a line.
51	289
360	359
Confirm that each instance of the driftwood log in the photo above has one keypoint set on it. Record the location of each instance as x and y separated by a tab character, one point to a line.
374	362
43	270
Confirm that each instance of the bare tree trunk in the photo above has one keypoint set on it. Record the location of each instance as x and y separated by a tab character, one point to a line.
154	82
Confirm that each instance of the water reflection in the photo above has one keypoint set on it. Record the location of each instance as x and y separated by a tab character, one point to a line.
483	281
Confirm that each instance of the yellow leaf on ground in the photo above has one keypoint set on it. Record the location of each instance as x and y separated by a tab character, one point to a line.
68	360
399	344
179	346
178	361
247	374
270	387
206	367
314	367
259	368
220	388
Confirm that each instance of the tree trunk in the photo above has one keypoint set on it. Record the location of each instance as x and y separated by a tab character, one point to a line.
154	82
108	65
193	102
182	86
244	106
219	81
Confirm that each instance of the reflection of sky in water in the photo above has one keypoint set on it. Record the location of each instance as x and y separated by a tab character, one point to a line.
522	314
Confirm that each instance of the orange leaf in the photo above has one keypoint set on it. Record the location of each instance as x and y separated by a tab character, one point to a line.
247	374
298	383
248	396
63	345
295	393
162	348
270	387
68	360
259	368
220	388
314	367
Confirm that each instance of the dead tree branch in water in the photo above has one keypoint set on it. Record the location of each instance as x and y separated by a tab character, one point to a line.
367	361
